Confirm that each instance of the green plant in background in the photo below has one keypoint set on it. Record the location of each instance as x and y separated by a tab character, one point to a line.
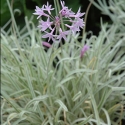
77	90
5	13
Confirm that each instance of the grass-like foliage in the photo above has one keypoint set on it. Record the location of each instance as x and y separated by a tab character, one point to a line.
57	87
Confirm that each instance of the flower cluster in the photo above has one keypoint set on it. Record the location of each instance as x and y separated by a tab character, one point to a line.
52	26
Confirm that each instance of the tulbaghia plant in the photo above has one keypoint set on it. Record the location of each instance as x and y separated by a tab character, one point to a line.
52	28
65	85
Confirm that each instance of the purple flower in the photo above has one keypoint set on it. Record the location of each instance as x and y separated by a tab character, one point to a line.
46	44
40	12
51	26
73	28
65	11
79	23
49	35
48	8
44	25
62	34
78	14
84	49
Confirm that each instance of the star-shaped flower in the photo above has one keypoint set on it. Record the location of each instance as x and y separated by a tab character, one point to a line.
49	35
65	11
48	8
78	23
73	28
40	12
62	34
63	5
44	25
78	14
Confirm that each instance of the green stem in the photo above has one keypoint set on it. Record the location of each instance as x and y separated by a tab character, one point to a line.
88	8
56	9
